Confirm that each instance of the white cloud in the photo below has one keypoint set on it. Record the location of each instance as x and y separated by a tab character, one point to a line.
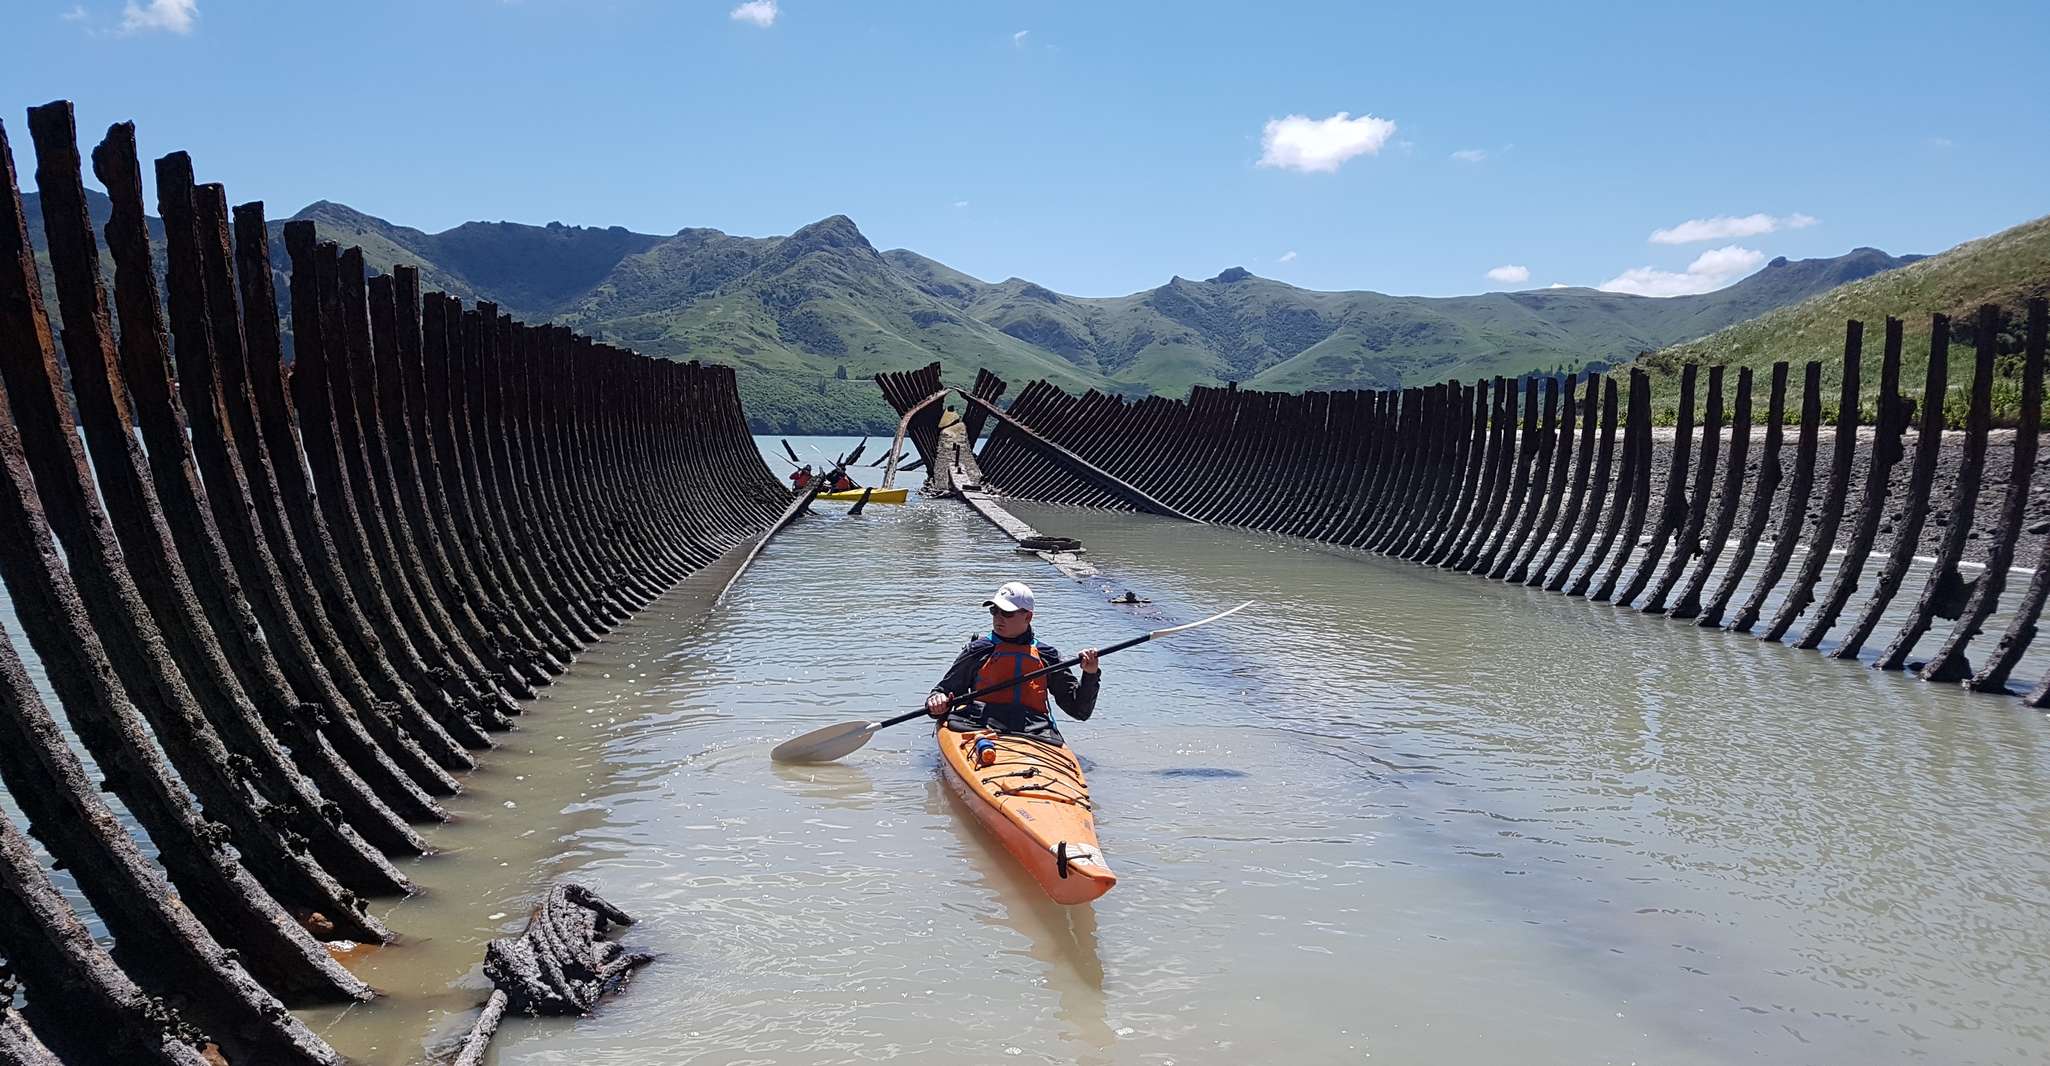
1285	257
1018	38
1313	145
1470	155
1558	285
1510	273
1709	271
760	12
76	14
1725	227
960	203
173	15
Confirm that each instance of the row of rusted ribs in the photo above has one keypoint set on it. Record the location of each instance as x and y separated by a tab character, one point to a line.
1477	478
282	607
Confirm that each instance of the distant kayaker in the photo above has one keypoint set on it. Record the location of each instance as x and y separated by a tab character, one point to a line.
801	476
1010	650
843	483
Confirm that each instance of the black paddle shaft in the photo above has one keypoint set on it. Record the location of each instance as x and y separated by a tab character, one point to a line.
1041	672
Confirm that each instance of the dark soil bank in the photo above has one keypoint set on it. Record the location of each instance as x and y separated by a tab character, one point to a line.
1986	513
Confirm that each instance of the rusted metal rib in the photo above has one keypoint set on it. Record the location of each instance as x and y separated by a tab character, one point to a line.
1598	492
223	438
1945	592
404	714
1795	511
444	694
133	598
1109	482
2021	628
1949	662
264	710
1844	450
1922	476
1764	489
1687	543
1673	508
1689	604
1539	478
1555	496
1891	421
1626	487
1639	434
54	614
1501	455
79	1000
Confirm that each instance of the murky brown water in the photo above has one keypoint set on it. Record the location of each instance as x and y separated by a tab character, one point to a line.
1394	813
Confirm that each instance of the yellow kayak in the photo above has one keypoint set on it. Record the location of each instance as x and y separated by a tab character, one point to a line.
875	495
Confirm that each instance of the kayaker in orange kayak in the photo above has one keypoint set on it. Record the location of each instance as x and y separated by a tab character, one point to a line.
1011	650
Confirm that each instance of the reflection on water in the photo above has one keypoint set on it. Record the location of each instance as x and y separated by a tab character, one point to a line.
1061	939
1395	813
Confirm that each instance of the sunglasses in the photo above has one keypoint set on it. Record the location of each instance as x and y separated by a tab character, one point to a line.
1001	613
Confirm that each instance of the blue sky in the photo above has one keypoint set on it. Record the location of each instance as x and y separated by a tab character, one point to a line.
1098	148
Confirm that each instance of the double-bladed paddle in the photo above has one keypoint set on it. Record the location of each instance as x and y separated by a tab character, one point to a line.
834	741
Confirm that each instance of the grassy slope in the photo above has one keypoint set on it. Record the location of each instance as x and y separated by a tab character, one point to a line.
2004	269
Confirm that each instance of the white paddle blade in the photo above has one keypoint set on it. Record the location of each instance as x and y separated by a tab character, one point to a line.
1158	633
825	745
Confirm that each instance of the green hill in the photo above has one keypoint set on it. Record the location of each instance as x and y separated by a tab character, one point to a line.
2005	269
806	318
1240	327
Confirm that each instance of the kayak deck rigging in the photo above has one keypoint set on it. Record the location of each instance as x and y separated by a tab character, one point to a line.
1046	823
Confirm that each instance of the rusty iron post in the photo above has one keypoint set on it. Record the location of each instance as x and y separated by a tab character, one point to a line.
1689	605
1945	592
1890	421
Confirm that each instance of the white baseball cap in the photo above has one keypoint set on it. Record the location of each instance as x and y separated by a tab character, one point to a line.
1014	596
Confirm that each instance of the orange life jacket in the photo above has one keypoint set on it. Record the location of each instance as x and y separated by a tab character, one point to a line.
1006	662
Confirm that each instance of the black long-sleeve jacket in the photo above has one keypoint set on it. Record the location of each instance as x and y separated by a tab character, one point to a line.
1077	698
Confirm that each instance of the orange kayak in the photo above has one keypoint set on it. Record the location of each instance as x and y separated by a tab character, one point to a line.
1034	799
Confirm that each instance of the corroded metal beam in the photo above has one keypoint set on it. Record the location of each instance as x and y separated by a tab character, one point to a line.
1673	509
1843	453
1795	510
128	598
265	620
45	778
1949	662
1687	543
1689	604
1765	488
1945	591
1879	463
1638	434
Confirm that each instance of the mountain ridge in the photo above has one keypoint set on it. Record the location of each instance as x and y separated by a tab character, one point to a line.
806	317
